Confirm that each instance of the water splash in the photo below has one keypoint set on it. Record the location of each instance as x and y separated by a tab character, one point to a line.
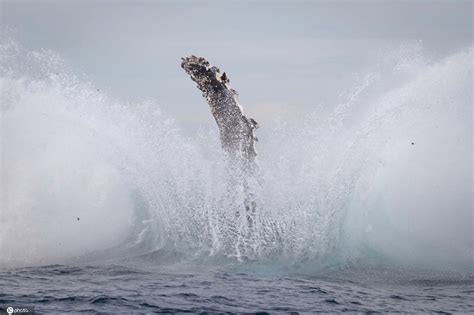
388	171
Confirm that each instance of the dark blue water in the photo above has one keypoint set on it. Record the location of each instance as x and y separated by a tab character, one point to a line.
121	289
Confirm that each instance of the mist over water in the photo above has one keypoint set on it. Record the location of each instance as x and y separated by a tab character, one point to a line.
381	175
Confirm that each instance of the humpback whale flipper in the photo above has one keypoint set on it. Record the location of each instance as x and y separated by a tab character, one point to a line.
236	130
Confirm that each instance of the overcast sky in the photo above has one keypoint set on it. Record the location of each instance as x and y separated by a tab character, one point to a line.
279	55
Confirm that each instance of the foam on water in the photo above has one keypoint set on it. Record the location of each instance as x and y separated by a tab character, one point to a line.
387	174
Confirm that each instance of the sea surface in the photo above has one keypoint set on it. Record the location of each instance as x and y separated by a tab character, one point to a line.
120	289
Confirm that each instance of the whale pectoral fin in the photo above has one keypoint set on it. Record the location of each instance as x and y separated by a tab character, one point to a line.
236	130
234	126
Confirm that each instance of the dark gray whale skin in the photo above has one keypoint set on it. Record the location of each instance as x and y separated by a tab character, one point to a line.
236	130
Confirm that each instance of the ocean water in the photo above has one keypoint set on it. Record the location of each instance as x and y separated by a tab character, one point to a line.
119	289
363	205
